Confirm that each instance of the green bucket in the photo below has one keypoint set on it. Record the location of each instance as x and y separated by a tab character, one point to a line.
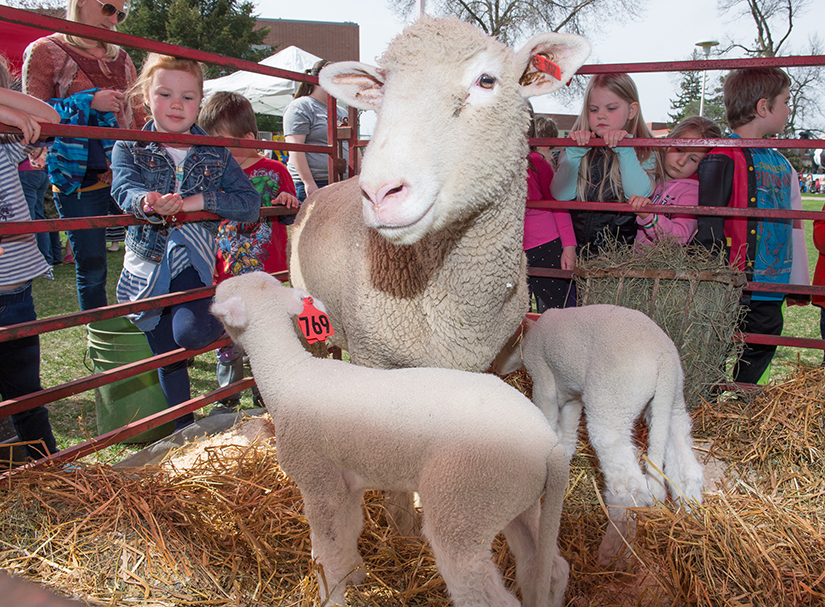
114	343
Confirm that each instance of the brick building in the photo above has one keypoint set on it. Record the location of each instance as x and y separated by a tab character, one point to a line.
329	40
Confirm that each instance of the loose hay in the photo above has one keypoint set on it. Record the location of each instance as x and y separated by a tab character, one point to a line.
691	294
227	527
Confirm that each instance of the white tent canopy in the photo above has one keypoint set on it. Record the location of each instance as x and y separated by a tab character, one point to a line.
269	95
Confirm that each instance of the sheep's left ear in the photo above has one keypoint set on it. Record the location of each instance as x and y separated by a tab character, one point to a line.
355	83
559	56
232	312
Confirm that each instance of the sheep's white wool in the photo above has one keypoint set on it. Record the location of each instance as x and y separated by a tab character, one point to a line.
478	452
419	259
616	364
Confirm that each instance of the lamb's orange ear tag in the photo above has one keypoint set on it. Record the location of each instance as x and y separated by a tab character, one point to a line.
313	323
545	65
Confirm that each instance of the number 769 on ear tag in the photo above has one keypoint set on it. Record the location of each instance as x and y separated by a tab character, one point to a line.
313	323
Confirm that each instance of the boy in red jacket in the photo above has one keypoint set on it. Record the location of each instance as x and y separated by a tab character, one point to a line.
819	274
756	104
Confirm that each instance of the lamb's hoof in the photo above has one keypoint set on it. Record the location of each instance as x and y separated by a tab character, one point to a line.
613	554
358	576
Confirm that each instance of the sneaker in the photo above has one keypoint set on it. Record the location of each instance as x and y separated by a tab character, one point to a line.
114	247
68	258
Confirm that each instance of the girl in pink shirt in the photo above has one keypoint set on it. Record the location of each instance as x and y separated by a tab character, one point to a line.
679	187
549	240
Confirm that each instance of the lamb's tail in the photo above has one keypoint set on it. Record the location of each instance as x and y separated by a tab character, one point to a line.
552	570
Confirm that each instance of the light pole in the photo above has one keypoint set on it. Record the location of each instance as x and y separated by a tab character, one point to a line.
706	46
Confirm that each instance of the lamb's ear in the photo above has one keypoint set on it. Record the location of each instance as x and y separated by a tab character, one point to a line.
296	304
560	55
232	312
355	83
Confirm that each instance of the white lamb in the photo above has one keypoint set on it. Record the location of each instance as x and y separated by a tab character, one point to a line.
616	363
419	259
477	451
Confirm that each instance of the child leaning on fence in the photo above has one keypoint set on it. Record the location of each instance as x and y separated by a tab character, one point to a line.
679	187
819	274
20	263
253	246
549	241
756	104
606	174
158	183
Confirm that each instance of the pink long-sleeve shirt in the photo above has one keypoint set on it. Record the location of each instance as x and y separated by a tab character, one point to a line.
544	225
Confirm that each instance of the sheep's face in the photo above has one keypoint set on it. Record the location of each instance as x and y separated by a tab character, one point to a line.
450	138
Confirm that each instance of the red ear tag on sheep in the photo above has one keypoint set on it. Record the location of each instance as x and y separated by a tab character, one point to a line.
313	323
545	65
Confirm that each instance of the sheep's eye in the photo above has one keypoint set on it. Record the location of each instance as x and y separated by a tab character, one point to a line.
486	81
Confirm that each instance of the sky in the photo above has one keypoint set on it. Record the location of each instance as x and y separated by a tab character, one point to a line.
666	31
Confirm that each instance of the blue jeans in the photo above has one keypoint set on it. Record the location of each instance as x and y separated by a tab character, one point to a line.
34	188
188	325
88	246
20	371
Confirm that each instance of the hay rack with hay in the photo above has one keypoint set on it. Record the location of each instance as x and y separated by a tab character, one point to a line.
690	293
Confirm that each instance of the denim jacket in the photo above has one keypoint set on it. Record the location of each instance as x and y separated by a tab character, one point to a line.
140	167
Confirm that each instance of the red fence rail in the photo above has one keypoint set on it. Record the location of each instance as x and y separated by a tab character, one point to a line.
51	24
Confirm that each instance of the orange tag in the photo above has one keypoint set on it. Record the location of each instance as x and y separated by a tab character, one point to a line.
545	65
313	323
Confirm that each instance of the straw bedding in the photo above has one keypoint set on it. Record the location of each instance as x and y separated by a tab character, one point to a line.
222	525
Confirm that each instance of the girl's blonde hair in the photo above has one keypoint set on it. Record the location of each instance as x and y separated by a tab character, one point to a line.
621	85
155	62
704	127
699	125
73	14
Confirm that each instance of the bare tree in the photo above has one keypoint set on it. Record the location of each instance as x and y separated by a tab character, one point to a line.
511	20
774	21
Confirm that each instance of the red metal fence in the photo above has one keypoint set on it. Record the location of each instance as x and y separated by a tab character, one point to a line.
349	134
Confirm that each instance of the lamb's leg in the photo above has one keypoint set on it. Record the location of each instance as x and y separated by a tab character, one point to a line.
335	520
562	409
522	538
681	466
465	562
626	485
401	513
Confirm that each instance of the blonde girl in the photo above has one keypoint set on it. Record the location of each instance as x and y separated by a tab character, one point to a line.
606	174
679	185
157	183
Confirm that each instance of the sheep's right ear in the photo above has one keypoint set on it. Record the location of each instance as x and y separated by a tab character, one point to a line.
232	312
559	56
355	83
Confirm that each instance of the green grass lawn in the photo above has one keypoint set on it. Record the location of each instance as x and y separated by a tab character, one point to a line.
64	358
801	321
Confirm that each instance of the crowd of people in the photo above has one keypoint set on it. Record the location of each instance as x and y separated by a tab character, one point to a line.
85	82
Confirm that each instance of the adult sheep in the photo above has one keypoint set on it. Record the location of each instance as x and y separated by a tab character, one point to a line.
419	259
478	452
